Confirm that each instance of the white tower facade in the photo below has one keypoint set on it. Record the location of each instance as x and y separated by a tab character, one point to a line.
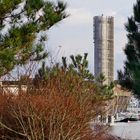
104	47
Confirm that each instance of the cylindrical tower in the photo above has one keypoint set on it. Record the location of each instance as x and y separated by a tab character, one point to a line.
104	47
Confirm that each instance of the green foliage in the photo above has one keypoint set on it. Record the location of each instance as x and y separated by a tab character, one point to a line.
106	90
77	70
130	77
21	26
80	65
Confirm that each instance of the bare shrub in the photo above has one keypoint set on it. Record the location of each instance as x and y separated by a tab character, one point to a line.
59	108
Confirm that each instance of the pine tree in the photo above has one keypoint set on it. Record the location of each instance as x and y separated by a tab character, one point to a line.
130	76
23	26
78	67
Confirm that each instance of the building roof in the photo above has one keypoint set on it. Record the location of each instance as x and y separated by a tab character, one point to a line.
120	91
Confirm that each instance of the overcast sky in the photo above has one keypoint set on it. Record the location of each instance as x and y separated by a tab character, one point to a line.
74	35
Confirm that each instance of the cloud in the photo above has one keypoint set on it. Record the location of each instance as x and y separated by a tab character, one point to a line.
79	16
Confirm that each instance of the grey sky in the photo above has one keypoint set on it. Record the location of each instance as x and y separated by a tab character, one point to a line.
75	34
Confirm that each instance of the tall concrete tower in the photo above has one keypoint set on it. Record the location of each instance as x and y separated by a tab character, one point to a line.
104	47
